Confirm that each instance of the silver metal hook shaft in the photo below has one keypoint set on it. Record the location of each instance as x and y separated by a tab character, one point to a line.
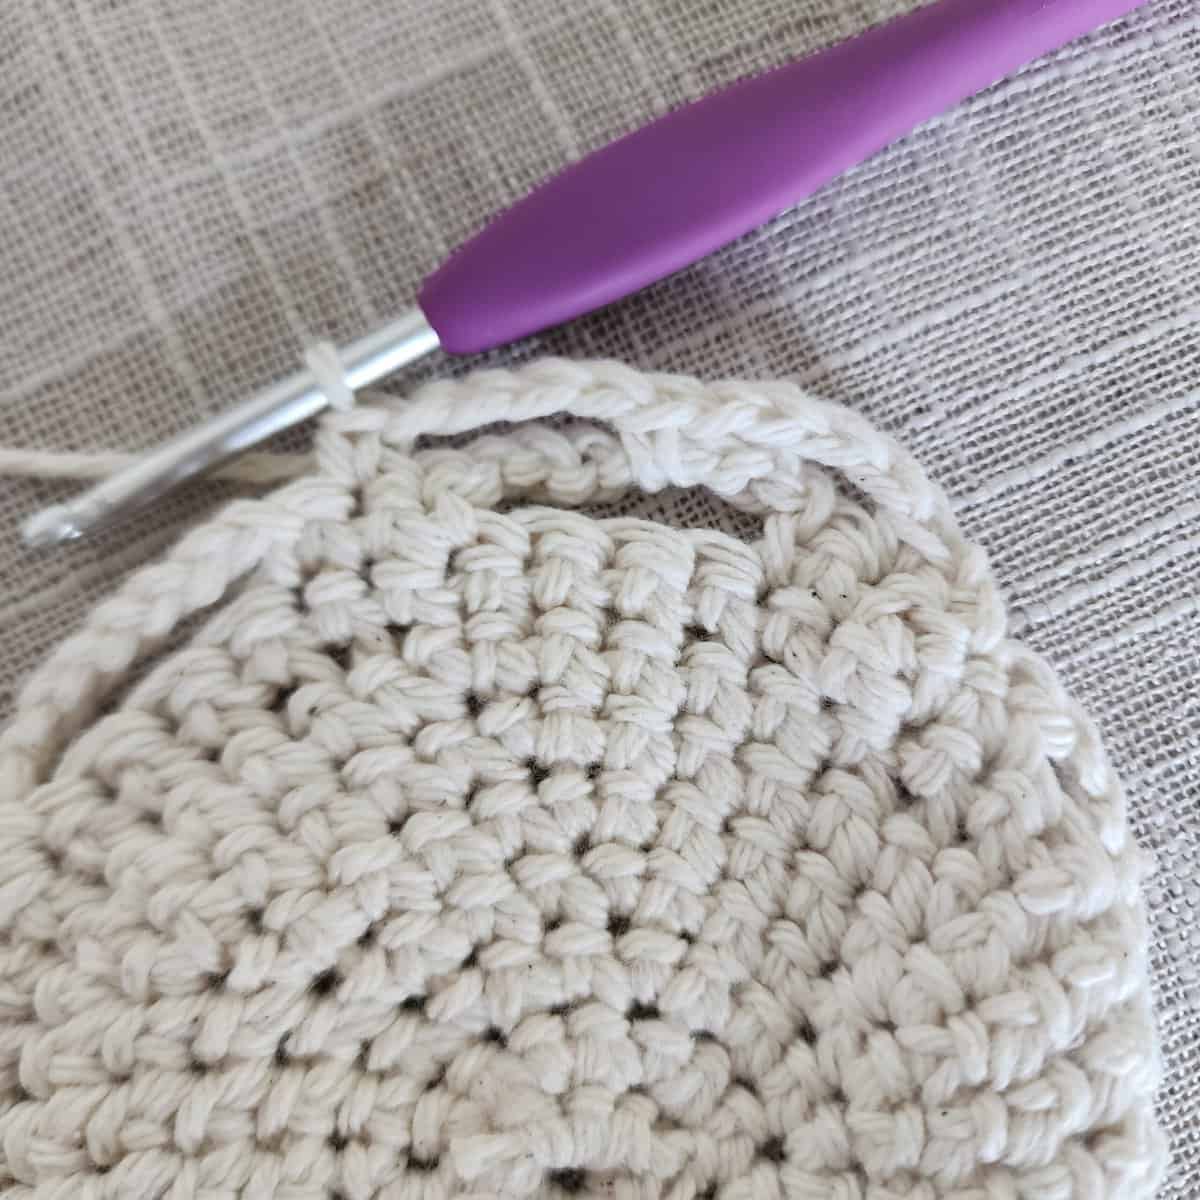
198	450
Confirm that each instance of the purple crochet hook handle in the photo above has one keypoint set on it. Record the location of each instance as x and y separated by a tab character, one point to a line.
699	177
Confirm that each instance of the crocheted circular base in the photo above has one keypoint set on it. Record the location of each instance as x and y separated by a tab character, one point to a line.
479	847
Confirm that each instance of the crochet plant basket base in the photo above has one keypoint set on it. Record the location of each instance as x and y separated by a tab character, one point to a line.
478	846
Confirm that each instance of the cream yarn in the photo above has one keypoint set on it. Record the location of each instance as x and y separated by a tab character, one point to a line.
480	847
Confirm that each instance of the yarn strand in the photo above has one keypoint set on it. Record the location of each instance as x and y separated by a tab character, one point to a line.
67	465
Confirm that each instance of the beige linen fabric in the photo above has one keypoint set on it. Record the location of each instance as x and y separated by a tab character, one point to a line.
191	191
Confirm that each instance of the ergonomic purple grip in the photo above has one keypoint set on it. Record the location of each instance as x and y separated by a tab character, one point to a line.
695	179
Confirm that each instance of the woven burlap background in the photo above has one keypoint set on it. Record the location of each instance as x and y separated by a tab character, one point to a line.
190	190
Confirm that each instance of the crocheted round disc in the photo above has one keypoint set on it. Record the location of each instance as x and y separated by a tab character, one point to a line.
481	844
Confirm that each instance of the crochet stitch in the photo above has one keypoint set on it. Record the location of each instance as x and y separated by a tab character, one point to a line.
480	846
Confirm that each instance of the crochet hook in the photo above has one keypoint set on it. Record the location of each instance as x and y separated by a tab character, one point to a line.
640	209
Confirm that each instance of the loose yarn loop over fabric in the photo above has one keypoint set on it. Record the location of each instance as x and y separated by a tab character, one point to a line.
478	847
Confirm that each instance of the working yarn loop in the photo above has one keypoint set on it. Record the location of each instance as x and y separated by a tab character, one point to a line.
324	361
479	845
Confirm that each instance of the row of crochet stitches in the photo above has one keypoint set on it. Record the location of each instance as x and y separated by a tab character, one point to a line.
480	847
